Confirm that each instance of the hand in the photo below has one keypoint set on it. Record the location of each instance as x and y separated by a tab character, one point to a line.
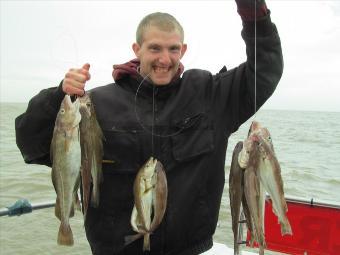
246	9
75	79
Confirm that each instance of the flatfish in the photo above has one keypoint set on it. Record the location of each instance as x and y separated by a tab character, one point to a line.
150	193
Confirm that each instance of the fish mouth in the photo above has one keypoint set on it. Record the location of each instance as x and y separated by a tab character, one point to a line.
67	102
254	127
152	162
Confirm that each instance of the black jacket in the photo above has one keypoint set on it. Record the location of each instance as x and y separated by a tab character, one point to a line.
192	120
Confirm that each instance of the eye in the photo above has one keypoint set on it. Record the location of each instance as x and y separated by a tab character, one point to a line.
62	111
175	49
154	48
88	104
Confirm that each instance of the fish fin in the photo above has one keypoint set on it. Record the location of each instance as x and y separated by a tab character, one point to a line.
134	219
95	196
86	183
95	181
146	243
131	238
57	211
65	236
76	202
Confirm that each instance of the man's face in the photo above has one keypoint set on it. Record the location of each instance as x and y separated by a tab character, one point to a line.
159	54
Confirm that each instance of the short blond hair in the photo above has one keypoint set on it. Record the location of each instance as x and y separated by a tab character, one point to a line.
162	21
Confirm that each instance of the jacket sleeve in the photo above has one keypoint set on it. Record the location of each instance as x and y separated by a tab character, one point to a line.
34	128
239	83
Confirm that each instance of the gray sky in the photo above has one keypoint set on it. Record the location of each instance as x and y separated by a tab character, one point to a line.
41	40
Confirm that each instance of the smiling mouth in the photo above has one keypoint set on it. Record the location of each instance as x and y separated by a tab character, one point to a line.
161	70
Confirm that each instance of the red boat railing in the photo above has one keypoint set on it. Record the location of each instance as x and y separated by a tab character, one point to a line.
315	225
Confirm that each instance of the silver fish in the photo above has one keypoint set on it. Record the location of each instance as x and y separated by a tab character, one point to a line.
254	193
270	175
151	191
66	158
91	139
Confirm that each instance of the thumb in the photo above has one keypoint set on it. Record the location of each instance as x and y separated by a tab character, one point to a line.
86	66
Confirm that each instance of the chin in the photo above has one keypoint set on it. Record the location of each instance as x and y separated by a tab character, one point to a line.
160	82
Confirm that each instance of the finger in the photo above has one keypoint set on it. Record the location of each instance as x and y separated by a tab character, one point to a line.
68	82
86	66
70	90
85	70
77	76
86	73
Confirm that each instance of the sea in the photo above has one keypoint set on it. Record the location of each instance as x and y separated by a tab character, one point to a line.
307	145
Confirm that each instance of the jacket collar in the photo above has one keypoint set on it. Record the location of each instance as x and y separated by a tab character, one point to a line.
127	75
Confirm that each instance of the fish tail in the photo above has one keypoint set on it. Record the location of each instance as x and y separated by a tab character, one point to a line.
65	236
286	229
236	248
146	244
252	239
261	250
131	238
57	210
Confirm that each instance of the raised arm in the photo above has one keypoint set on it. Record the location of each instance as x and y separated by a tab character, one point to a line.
268	67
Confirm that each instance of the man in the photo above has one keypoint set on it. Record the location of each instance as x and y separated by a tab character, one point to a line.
182	119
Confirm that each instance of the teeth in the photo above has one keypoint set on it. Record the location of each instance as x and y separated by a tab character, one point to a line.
161	69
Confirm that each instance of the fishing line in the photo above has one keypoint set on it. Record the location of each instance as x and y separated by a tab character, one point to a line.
152	132
255	75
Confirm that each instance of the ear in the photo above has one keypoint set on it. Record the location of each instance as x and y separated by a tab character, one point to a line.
136	48
183	50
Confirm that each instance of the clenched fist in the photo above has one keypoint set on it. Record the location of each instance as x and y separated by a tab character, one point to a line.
246	9
75	79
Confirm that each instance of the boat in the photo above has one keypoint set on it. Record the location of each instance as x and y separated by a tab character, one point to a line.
315	225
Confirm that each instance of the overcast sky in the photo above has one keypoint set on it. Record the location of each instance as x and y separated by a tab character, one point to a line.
41	40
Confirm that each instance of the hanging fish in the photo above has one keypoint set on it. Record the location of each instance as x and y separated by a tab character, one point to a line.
262	174
91	140
270	174
237	197
66	158
150	193
254	193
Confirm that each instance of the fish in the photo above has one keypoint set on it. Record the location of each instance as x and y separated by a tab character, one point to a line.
254	193
66	160
237	198
270	175
159	196
91	140
262	174
236	193
150	192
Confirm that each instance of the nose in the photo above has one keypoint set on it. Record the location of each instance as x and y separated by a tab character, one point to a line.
164	58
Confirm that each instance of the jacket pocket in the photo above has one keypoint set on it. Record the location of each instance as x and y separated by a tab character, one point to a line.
121	149
193	137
